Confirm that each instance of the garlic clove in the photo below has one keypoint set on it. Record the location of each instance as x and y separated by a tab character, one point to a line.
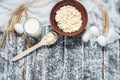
19	28
85	37
102	40
94	31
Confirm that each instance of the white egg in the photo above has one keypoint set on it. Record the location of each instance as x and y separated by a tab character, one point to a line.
19	28
94	30
102	40
85	37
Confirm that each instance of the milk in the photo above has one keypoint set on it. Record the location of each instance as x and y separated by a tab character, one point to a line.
33	27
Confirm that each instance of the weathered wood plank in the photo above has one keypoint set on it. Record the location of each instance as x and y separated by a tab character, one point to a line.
32	70
10	70
112	61
53	61
73	59
18	66
35	65
3	62
92	62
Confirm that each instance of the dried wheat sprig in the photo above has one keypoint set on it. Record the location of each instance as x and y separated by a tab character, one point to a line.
105	17
107	24
16	18
25	34
6	31
3	37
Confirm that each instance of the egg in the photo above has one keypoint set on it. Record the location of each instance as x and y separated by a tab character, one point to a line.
19	28
102	40
85	37
94	31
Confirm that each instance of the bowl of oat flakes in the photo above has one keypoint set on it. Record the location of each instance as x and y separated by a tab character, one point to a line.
68	17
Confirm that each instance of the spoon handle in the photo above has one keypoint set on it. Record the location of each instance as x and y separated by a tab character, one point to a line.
26	52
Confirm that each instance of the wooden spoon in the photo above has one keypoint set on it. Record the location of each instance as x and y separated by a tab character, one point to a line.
48	39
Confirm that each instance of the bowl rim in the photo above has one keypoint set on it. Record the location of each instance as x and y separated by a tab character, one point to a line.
77	5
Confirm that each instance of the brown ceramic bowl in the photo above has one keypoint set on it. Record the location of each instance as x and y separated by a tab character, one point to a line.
78	6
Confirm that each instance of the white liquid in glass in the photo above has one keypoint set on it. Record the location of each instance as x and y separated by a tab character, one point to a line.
33	27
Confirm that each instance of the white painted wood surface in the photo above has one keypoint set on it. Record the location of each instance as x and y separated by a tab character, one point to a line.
68	59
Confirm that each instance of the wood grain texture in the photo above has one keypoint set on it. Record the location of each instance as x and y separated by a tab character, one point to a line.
92	62
68	59
10	70
73	58
112	61
35	65
54	60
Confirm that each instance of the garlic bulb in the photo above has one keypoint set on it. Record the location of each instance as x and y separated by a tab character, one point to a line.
102	40
19	28
94	30
85	37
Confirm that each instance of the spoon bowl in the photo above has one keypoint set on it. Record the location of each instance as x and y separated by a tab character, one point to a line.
50	38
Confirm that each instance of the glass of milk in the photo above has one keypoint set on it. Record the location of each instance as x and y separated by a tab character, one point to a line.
33	27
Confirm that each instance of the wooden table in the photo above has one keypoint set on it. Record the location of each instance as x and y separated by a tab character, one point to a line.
68	59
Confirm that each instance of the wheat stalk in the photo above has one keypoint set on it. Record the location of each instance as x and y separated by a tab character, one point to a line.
105	18
16	18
